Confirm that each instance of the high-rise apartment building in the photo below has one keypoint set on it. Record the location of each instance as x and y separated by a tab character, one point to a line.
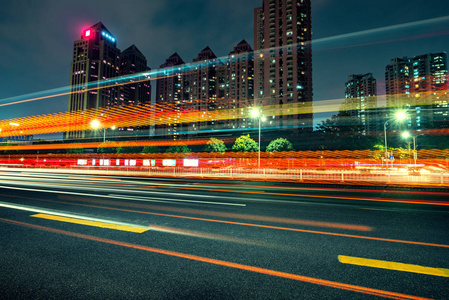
201	88
283	60
96	69
169	85
208	84
189	88
170	94
95	58
361	100
138	89
420	86
240	84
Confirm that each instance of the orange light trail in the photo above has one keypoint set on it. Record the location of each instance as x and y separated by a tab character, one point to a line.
443	203
334	284
135	116
167	114
143	206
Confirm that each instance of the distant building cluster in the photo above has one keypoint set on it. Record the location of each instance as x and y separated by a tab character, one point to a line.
417	86
278	71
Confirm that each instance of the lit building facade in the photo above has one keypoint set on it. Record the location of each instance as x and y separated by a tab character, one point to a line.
361	100
96	69
138	91
239	84
283	60
95	58
208	84
419	85
170	94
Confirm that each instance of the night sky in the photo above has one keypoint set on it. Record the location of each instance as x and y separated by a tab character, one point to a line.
37	38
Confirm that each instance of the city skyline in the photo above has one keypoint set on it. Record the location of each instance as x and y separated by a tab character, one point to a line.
406	40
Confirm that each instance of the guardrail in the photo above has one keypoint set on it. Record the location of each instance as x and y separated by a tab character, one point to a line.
303	175
390	176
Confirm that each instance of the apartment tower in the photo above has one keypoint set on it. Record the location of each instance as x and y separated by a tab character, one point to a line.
137	90
283	61
240	84
95	59
419	85
361	100
170	93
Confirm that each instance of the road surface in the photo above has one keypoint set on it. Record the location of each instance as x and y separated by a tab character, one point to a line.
85	237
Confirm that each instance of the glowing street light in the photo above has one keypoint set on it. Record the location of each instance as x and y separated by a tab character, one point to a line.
399	116
255	113
95	124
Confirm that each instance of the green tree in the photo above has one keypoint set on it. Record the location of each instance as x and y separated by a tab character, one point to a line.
340	124
344	131
280	144
178	149
215	145
135	149
106	148
75	151
245	144
379	151
151	149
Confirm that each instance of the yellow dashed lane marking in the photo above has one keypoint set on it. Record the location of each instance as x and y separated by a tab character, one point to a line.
91	223
390	265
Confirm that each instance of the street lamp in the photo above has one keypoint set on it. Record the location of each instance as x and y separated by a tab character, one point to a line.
399	116
255	113
406	135
97	125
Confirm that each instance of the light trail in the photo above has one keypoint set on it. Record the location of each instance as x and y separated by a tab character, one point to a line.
144	115
380	30
163	208
318	157
167	72
227	215
192	233
146	199
334	284
443	203
135	116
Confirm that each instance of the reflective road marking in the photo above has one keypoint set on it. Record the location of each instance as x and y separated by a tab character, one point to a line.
91	223
334	284
390	265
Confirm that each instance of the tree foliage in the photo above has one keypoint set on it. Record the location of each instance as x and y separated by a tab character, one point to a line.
340	124
215	145
135	149
178	149
75	151
280	144
151	149
105	148
344	132
245	144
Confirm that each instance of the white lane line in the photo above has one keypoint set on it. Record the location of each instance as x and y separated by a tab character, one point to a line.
63	214
149	199
177	200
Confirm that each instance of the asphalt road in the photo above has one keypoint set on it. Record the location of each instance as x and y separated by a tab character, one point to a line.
85	237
